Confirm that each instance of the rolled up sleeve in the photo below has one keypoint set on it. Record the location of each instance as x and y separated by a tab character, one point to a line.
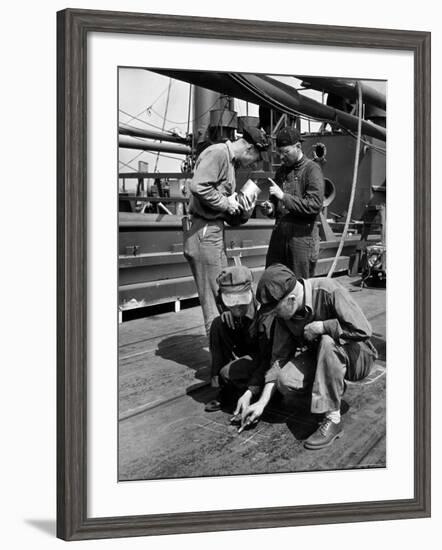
264	346
272	374
284	346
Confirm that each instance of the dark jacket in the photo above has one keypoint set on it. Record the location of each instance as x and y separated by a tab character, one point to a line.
254	338
303	186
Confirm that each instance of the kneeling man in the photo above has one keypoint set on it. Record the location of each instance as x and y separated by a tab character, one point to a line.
318	316
239	349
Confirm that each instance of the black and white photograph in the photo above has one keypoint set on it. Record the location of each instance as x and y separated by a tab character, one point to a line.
204	343
252	273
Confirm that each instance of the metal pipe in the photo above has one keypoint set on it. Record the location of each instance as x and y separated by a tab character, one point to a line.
161	205
346	88
204	101
127	142
127	130
285	98
268	92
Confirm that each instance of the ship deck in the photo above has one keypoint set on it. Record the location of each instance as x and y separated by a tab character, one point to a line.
165	433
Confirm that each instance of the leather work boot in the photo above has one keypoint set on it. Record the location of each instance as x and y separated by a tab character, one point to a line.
222	399
213	405
324	436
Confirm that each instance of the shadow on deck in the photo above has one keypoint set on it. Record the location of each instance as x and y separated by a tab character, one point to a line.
165	433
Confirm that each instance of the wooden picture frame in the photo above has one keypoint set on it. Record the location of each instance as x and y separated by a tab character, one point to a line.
73	27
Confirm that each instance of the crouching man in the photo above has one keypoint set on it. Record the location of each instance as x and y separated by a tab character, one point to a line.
319	317
239	349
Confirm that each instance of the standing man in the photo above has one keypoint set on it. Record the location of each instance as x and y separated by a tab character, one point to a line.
213	201
238	346
296	198
319	317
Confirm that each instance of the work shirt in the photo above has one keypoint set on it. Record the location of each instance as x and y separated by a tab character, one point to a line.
252	339
303	187
213	181
324	300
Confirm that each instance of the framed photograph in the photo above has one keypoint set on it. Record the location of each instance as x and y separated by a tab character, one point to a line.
233	351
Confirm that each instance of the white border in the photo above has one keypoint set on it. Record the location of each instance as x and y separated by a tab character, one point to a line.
106	496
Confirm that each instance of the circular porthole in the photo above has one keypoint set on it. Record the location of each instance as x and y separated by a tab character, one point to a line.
329	192
319	151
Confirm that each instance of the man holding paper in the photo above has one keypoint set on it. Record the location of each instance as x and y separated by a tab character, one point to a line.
214	201
296	198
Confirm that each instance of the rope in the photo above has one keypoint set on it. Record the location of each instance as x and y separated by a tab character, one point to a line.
188	108
353	185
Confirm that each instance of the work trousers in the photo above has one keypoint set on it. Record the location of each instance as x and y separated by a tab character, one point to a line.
323	370
295	246
204	249
231	347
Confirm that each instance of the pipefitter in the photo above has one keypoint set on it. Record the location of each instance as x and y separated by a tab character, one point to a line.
296	198
321	337
238	346
213	201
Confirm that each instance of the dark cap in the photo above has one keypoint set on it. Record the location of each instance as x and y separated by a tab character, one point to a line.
288	136
258	138
276	282
235	285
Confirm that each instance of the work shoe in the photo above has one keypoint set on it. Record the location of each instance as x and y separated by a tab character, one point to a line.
213	405
324	436
220	400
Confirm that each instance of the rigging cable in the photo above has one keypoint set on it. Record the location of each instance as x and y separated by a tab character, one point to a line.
135	157
136	116
368	144
128	165
164	155
185	121
139	119
164	119
149	107
353	185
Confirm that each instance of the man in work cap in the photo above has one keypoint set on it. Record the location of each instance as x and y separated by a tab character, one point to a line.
321	337
259	139
236	346
295	199
214	202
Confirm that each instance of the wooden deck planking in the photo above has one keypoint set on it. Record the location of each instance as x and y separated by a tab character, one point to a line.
154	376
158	326
180	440
161	357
